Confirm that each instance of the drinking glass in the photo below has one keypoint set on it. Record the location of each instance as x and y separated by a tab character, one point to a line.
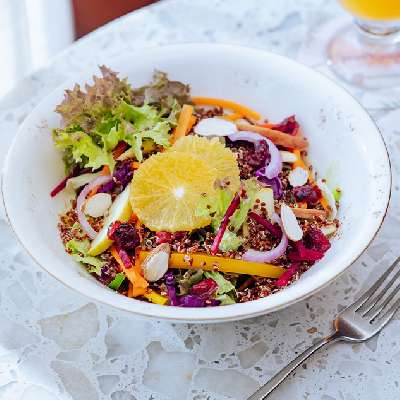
367	53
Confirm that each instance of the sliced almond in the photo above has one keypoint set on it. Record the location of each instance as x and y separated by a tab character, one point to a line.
290	223
156	263
98	205
288	156
215	127
298	177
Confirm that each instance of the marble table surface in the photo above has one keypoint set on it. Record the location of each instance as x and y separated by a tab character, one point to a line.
58	345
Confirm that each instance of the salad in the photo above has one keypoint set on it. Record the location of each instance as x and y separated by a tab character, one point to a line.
187	201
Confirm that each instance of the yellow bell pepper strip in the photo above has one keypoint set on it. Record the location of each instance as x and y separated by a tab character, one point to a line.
133	274
155	297
183	123
278	137
232	117
221	264
237	108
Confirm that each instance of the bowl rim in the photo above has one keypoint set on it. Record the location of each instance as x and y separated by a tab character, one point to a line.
237	311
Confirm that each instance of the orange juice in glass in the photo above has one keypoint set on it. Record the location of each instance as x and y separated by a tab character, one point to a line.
367	53
373	9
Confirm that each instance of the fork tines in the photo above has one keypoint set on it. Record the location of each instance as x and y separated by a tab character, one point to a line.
379	303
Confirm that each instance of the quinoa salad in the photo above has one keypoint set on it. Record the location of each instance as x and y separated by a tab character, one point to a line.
187	201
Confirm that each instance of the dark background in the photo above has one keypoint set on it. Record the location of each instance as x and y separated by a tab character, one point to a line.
90	14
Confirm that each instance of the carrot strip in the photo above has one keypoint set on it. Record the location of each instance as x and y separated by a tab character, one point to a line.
211	263
192	122
133	274
278	137
232	117
137	291
324	203
266	125
119	149
135	164
237	108
183	122
105	170
302	204
309	213
130	290
299	162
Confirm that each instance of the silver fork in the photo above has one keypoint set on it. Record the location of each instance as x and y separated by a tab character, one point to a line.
360	321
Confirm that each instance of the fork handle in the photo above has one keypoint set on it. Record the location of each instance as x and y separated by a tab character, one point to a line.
274	382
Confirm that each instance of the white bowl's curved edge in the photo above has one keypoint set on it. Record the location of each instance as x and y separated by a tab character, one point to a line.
237	311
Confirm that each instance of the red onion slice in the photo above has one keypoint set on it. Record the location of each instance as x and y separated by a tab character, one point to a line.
271	168
101	180
270	255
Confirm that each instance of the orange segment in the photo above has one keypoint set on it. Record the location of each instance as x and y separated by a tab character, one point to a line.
166	190
214	154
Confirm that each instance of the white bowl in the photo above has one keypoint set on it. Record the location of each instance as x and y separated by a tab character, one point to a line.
345	146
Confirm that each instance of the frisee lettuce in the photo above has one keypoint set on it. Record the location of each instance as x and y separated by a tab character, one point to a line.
109	111
78	249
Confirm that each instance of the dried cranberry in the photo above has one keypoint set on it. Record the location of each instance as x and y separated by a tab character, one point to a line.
308	193
288	125
316	240
123	172
167	237
311	248
124	234
205	289
285	278
112	228
179	235
163	237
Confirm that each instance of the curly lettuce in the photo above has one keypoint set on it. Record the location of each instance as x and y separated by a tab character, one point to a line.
79	249
98	118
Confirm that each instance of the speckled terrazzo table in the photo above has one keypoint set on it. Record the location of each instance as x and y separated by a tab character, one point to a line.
57	345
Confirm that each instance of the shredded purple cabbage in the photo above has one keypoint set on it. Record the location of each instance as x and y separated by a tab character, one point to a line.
123	172
191	300
274	183
107	187
171	290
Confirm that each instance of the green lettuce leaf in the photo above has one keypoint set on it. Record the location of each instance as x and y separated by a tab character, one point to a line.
225	299
78	249
145	122
82	148
224	286
117	281
240	215
230	241
215	206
